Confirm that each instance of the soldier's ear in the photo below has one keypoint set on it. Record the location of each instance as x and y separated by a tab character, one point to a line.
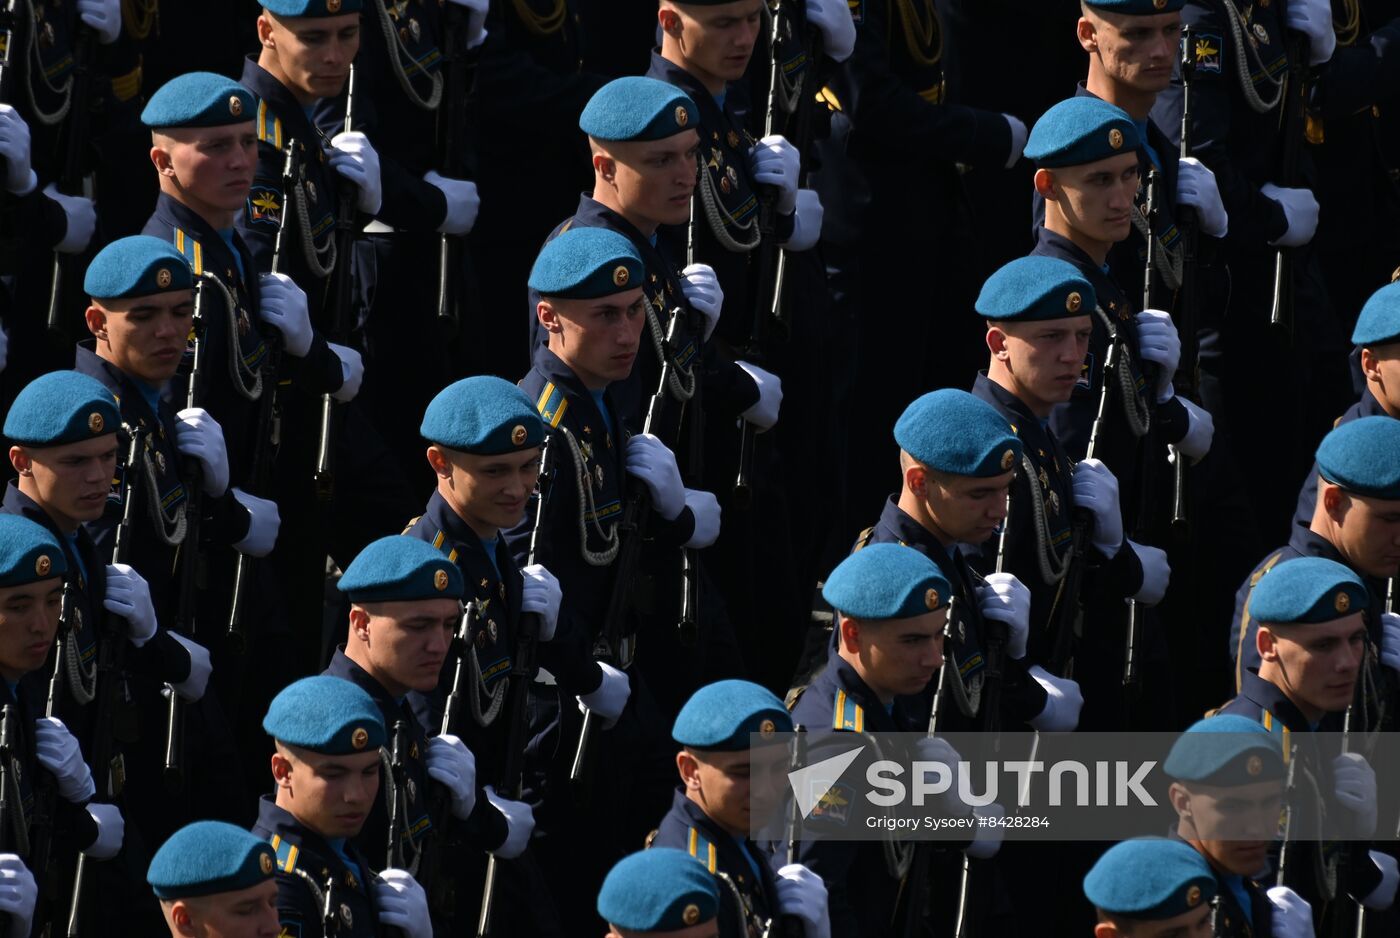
96	319
1180	799
180	918
670	21
160	158
850	633
1266	643
1332	498
916	480
265	32
689	768
549	317
1088	35
437	459
996	342
604	166
1045	185
281	770
359	623
21	460
1107	930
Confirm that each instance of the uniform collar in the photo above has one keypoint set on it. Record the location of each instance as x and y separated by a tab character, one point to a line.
171	214
123	386
1272	699
296	125
910	532
712	113
1026	424
845	678
342	666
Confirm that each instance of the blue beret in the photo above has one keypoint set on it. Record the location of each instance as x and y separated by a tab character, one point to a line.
637	108
312	7
62	407
137	266
1363	457
200	99
325	714
209	857
1036	288
721	716
1225	750
28	552
661	889
483	415
1138	7
1307	589
955	432
886	581
399	567
1149	879
1081	130
1379	322
586	263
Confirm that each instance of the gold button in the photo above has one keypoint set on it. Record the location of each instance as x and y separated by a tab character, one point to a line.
691	915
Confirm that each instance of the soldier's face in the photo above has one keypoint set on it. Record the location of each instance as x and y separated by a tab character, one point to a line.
1192	924
1316	664
28	623
967	510
144	336
732	787
488	492
313	54
1367	530
211	168
72	481
717	41
406	642
897	656
332	795
1044	359
653	180
598	339
246	913
1096	199
1233	826
1135	51
708	929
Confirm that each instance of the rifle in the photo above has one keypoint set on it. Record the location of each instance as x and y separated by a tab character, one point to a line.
1187	378
14	826
688	625
1285	842
1345	916
458	72
792	925
394	795
73	178
1294	129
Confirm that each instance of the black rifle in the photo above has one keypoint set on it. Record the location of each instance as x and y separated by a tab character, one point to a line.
792	925
434	849
1294	129
458	72
1187	380
395	793
14	826
1345	917
74	177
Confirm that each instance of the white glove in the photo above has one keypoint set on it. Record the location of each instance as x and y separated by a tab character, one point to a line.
1390	640
1292	914
764	412
1156	573
1159	343
105	18
264	523
1096	488
655	466
987	841
18	893
802	893
352	372
1019	134
520	823
463	202
1006	599
14	148
1356	791
702	291
775	162
80	214
1196	187
705	507
1383	896
806	221
282	305
452	763
199	435
192	687
111	828
57	750
938	749
402	903
1299	208
541	594
1313	18
1063	701
129	596
354	158
476	20
611	696
1200	431
832	18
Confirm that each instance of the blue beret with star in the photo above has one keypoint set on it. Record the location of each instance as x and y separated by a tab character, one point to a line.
400	568
959	433
137	266
312	8
1307	590
325	714
1225	750
1036	288
28	552
720	717
886	581
658	890
637	108
200	99
1081	130
1150	879
1379	322
1137	7
1363	457
586	263
484	415
209	857
62	407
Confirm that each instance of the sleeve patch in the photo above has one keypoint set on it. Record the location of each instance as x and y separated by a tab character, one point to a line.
1207	52
265	206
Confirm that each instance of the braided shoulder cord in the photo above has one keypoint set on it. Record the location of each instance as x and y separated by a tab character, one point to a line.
81	682
680	382
1242	53
246	381
46	118
1052	568
497	696
720	219
297	197
1168	267
587	507
170	526
1135	409
396	51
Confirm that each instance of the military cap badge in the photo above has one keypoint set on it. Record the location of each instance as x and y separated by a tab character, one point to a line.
359	738
1115	138
1193	892
95	422
43	565
1343	602
620	276
440	580
931	599
682	115
163	278
1254	765
691	915
766	728
265	864
517	436
235	105
332	6
1007	458
1074	300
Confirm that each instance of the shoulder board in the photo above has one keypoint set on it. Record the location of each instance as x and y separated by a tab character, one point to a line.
286	853
701	849
439	539
847	714
269	126
186	244
411	522
552	404
863	539
1276	727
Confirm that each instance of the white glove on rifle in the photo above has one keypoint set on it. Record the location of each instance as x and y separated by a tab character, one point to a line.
775	162
1292	914
1196	187
654	465
1300	211
702	291
15	149
282	305
193	687
264	522
1019	135
1096	489
352	372
476	20
80	214
609	700
832	18
807	221
763	414
1383	896
463	202
199	435
57	750
1159	343
801	893
1006	599
520	823
705	508
129	596
111	828
452	763
1356	791
354	158
402	903
1156	573
105	18
1313	18
18	893
1200	432
1063	701
542	595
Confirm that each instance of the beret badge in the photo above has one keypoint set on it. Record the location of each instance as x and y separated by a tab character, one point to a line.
359	738
1007	458
163	277
235	105
95	422
1193	896
332	6
1074	301
265	864
43	565
1343	602
517	435
766	728
682	115
440	580
1159	4
1115	138
931	599
620	276
691	915
1253	766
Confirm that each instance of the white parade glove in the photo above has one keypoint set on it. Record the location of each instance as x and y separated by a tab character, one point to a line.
111	828
4	347
806	221
264	523
129	596
1299	208
651	462
1019	134
14	148
802	893
1196	187
105	18
1383	896
354	158
199	435
1159	343
18	893
938	749
764	412
1156	573
610	698
476	20
1356	791
705	507
1006	599
702	291
352	372
1292	914
463	202
402	903
775	162
541	594
81	216
1313	18
57	750
520	823
1096	488
192	687
1390	640
282	305
1063	701
832	18
452	763
1200	431
987	841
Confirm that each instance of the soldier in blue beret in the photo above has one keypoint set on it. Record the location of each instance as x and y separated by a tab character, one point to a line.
216	880
1152	887
659	892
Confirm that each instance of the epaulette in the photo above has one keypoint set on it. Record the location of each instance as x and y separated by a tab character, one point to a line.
847	714
552	404
702	850
863	538
440	539
191	249
269	126
1276	727
286	853
411	522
